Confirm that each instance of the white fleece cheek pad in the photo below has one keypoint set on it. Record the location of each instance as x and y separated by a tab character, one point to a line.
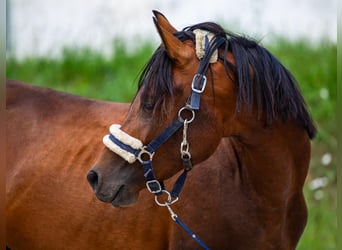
124	138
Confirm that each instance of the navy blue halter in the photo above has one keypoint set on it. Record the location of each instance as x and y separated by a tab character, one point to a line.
145	157
145	154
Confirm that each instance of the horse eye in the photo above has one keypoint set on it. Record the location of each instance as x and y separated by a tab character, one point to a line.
148	106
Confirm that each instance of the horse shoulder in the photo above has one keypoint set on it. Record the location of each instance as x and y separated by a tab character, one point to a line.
51	138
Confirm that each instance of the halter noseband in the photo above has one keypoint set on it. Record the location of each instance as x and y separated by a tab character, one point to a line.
132	149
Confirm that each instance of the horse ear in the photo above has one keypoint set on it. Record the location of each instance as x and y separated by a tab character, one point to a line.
175	48
162	21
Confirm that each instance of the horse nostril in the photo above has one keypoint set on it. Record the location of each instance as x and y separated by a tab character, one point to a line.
93	179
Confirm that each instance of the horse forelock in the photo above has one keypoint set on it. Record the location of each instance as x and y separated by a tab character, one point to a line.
156	81
270	88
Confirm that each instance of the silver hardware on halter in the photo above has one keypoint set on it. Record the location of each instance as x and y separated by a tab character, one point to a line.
169	200
185	147
188	108
173	214
199	91
143	152
154	182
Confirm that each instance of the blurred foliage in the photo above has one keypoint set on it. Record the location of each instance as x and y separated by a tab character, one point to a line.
315	68
85	72
88	73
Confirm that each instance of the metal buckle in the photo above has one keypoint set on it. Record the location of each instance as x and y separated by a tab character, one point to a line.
153	186
199	91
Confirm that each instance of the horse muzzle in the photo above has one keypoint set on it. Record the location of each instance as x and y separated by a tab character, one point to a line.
120	192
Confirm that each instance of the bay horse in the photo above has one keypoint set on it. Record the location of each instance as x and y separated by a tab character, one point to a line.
232	200
52	138
200	86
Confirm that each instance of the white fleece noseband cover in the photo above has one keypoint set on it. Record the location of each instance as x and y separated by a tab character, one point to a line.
125	138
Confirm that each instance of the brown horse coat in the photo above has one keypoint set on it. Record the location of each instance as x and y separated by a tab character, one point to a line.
251	101
53	139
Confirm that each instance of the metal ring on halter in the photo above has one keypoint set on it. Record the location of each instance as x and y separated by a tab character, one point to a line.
188	108
143	152
169	199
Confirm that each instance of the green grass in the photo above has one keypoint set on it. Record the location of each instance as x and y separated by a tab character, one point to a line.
88	73
85	72
321	229
315	68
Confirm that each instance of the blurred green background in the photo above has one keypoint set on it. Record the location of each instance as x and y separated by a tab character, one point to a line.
91	74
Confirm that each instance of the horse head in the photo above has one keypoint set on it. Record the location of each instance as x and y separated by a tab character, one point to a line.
207	84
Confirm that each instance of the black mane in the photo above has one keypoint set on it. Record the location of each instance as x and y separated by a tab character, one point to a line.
272	88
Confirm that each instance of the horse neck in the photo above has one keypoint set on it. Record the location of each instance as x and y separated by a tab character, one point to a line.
273	160
47	116
60	107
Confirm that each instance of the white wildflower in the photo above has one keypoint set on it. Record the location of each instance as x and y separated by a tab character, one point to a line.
326	159
319	194
318	183
324	93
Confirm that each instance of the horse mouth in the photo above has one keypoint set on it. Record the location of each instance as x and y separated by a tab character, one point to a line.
116	195
123	198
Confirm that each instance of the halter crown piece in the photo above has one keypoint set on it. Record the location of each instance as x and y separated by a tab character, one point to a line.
132	149
200	36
